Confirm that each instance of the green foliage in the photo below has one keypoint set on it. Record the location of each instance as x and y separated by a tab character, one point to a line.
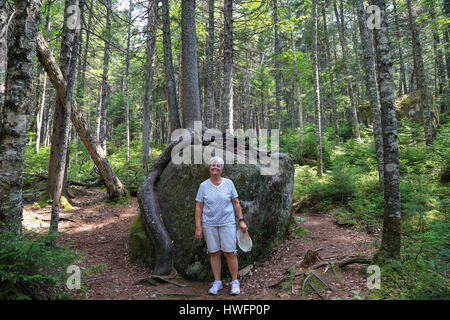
289	144
30	269
300	232
350	191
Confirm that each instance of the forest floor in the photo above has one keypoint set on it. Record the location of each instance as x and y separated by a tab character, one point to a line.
101	231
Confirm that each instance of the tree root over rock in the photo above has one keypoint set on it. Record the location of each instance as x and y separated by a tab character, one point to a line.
148	196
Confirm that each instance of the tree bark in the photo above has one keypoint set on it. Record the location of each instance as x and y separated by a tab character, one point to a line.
69	55
317	94
391	236
439	57
190	99
209	99
371	85
340	23
330	60
420	74
402	82
149	70
3	54
127	80
227	108
19	78
170	77
113	184
61	123
277	57
105	84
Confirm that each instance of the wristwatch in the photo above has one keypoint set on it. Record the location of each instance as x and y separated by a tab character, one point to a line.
242	219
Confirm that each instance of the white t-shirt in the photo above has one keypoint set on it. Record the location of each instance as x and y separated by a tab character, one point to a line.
218	209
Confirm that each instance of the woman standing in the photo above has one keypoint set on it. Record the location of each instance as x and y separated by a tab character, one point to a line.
216	205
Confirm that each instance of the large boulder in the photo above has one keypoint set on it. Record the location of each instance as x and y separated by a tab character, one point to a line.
266	202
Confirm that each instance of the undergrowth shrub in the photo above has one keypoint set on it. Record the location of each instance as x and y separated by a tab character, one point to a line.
31	269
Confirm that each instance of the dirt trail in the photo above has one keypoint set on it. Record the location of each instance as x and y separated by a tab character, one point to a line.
102	231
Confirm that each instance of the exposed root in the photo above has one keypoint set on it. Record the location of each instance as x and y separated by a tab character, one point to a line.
313	256
324	283
154	279
314	289
303	285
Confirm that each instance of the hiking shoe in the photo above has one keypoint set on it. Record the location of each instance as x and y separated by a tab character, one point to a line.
235	289
217	285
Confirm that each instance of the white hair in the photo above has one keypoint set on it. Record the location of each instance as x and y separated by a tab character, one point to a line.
216	159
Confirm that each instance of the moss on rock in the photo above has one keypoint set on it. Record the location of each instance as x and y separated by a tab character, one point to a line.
141	250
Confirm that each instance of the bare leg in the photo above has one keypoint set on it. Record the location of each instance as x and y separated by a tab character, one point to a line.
216	264
232	264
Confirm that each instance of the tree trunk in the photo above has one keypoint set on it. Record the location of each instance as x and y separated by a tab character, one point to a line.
62	113
170	77
190	99
439	57
402	82
149	70
40	114
3	54
420	74
105	84
371	85
391	237
227	108
82	79
127	80
19	78
69	55
447	43
277	57
317	94
340	23
113	184
209	99
330	60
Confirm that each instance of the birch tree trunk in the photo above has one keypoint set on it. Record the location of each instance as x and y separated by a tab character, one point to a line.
3	54
149	70
391	236
371	85
317	94
19	78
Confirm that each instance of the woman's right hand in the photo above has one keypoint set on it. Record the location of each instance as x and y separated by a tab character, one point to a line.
198	233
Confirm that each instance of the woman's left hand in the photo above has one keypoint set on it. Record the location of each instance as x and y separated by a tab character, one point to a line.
243	226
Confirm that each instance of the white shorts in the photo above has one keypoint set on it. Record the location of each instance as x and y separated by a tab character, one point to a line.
220	238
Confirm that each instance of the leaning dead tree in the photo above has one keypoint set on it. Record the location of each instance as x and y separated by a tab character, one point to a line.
114	186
